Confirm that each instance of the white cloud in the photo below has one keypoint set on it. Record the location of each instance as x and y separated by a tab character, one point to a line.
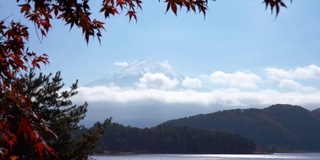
237	79
276	74
231	97
291	84
121	64
157	81
191	83
308	72
295	79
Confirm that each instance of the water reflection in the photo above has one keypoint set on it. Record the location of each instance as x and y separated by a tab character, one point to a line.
276	156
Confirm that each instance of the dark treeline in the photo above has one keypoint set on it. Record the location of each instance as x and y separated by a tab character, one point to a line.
164	139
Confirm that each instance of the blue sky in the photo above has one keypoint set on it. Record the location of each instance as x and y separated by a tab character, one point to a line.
235	35
238	44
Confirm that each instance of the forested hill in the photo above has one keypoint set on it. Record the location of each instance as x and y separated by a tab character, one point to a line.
282	127
162	139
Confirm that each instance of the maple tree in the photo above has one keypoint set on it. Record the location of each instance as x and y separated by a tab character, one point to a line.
16	57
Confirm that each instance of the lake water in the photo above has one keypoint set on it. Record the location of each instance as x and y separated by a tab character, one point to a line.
276	156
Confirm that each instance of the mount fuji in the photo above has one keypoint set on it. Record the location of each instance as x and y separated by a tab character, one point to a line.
137	72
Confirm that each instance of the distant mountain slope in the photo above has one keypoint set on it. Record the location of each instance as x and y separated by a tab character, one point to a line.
316	112
129	75
284	126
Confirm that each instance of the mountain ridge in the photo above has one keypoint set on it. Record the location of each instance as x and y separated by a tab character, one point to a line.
285	126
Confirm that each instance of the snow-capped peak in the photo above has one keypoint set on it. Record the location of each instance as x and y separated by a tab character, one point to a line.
129	75
143	66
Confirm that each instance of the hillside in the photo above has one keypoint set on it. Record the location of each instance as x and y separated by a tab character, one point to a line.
163	139
283	127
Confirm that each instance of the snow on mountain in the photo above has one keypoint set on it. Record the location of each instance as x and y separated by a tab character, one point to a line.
142	73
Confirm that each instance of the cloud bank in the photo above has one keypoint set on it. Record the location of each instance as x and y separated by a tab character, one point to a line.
231	97
157	98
